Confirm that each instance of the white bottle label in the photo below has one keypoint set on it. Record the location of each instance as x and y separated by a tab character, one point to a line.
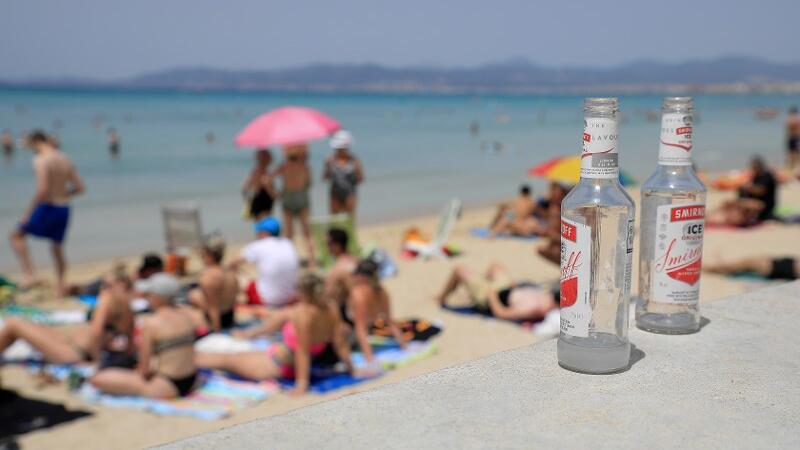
675	276
576	260
675	148
599	157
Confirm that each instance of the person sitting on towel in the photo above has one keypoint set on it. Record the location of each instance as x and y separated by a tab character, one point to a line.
218	286
106	338
496	294
310	328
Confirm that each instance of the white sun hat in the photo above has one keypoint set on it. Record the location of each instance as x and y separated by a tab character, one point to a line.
342	139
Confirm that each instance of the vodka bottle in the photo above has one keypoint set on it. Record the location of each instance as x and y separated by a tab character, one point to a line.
673	215
596	248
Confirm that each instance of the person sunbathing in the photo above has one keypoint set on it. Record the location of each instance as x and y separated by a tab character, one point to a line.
218	287
551	249
755	203
518	216
496	294
771	268
338	277
106	337
367	303
166	367
309	328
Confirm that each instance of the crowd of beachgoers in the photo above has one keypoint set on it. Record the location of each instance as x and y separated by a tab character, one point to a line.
142	329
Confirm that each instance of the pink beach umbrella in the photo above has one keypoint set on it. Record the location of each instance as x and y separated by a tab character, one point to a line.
286	126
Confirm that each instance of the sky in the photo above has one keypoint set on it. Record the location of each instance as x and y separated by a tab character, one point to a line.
114	39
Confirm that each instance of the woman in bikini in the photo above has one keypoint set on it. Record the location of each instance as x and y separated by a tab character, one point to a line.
296	180
344	172
108	332
217	288
309	328
166	366
258	188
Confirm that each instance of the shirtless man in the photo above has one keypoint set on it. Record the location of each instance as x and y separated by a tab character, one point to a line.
295	176
57	181
551	250
337	280
7	142
793	138
218	287
517	215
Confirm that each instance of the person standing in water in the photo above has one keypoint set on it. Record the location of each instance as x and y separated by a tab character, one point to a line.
793	138
258	188
7	141
344	172
57	181
113	143
295	176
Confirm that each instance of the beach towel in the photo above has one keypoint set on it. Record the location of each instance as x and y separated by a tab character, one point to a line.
217	397
483	233
485	313
20	415
786	213
43	316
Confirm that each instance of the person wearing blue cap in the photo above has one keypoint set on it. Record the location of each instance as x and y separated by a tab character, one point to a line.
276	262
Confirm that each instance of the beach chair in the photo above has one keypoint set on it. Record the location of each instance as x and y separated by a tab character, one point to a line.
450	215
183	230
319	232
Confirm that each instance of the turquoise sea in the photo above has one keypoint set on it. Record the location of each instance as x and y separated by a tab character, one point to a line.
417	152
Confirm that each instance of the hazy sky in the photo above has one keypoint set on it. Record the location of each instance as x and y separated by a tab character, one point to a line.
110	38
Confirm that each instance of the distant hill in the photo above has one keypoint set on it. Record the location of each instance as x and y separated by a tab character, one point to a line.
722	74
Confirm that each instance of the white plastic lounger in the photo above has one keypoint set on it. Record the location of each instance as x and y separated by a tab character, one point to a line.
183	230
450	215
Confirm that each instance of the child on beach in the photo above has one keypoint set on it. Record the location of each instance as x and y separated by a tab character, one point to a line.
57	182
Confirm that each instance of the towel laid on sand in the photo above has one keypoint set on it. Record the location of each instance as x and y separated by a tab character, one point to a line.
484	234
44	316
216	398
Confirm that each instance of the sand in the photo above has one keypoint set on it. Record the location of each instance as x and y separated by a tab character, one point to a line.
412	291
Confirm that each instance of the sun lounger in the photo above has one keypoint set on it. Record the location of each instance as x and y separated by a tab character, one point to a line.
447	220
182	227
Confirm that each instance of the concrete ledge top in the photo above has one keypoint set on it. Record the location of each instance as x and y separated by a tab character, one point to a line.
736	383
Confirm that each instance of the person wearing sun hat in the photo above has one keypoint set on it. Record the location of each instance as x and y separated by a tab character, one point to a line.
345	173
276	262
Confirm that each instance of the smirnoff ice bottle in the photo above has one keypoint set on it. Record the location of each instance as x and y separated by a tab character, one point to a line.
596	249
673	215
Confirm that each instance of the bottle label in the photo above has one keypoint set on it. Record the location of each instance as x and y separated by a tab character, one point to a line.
675	277
576	257
675	148
599	157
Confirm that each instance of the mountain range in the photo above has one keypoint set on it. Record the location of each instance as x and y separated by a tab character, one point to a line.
516	75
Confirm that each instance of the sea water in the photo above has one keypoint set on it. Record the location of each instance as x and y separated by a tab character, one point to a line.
417	151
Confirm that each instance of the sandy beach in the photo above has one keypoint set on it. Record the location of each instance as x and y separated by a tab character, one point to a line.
412	291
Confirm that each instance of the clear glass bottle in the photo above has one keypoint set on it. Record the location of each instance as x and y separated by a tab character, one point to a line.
597	219
672	222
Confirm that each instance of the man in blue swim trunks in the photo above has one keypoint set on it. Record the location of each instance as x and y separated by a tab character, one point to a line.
57	181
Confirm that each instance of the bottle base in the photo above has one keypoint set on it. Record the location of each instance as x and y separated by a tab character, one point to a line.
680	323
606	354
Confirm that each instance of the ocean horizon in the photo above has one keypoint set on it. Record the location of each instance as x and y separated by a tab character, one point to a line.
417	151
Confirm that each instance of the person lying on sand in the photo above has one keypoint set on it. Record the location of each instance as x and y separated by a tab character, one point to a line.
518	216
756	200
309	328
498	295
771	268
551	249
108	334
151	264
166	367
218	287
367	302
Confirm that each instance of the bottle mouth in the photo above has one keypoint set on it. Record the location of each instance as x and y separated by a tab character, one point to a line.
601	105
677	104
